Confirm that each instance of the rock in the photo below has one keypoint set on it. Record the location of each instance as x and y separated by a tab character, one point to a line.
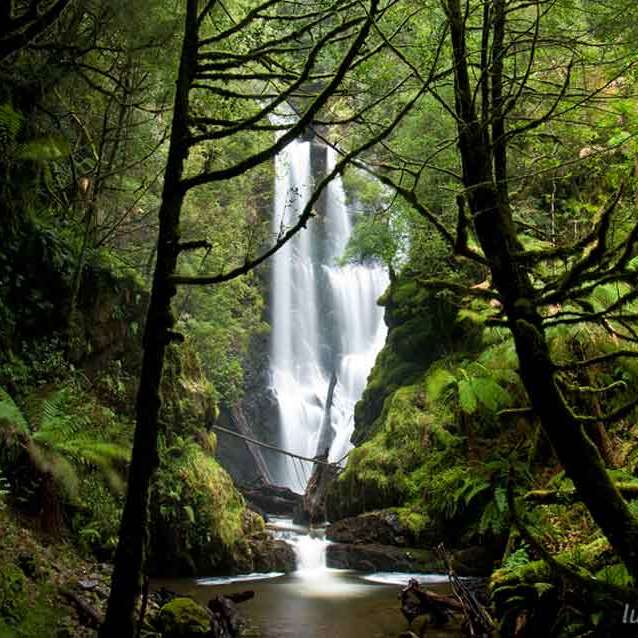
384	558
478	560
382	527
87	584
184	618
273	499
270	555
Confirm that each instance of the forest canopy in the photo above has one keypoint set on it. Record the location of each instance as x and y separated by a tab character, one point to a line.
488	151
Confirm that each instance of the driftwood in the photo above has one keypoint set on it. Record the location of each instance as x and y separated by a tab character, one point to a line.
226	621
417	602
88	614
478	622
312	510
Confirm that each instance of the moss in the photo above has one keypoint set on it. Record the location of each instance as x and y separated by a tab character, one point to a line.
12	595
198	516
183	618
423	327
388	469
415	520
591	556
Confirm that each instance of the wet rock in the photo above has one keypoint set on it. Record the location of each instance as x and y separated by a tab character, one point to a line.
263	553
478	560
383	558
383	527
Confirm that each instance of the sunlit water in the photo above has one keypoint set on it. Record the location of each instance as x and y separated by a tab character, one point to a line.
316	601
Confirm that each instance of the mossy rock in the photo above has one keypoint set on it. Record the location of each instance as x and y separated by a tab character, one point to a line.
184	618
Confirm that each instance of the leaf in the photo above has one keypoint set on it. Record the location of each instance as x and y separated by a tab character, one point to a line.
44	149
490	393
467	398
190	514
437	381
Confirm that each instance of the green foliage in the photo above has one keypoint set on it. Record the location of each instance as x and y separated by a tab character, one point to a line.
196	503
12	595
517	558
56	441
11	123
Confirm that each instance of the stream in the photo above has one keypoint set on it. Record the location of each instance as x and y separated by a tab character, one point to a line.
316	601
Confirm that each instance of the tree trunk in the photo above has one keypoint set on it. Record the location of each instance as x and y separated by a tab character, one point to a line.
129	558
495	230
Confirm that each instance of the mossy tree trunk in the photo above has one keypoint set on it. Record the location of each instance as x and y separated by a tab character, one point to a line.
129	558
483	163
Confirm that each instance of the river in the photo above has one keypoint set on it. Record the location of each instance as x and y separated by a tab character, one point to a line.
316	601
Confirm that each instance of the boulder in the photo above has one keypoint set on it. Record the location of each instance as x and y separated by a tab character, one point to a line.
478	560
383	527
184	618
383	558
270	555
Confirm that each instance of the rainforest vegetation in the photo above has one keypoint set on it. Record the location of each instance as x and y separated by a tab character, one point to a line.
489	151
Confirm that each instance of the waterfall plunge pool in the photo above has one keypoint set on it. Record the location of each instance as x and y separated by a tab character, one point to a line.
316	601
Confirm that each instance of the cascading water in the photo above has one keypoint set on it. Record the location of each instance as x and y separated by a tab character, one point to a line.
327	327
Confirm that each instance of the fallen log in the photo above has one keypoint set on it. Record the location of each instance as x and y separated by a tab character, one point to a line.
417	602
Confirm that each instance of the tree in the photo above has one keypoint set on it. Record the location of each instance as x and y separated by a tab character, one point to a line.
20	27
203	70
497	55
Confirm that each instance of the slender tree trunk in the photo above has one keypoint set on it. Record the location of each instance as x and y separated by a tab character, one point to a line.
496	233
130	555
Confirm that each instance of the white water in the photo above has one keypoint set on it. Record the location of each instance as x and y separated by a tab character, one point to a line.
325	319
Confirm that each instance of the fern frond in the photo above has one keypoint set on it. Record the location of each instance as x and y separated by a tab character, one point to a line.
11	123
11	416
488	392
437	381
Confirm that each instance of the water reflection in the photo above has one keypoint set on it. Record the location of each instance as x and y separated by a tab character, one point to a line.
329	604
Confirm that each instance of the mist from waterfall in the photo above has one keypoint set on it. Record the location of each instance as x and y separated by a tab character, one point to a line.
326	324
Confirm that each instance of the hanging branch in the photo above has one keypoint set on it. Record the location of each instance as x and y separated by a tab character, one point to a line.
17	33
306	214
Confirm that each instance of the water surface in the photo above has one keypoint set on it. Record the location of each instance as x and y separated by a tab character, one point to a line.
328	603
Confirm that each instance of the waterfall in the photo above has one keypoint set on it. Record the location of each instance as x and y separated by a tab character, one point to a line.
326	324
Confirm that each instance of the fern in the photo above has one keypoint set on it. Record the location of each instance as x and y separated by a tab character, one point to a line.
474	385
11	123
56	444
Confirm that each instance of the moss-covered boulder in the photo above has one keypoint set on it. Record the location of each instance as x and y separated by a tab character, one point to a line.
423	327
387	527
197	515
184	618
